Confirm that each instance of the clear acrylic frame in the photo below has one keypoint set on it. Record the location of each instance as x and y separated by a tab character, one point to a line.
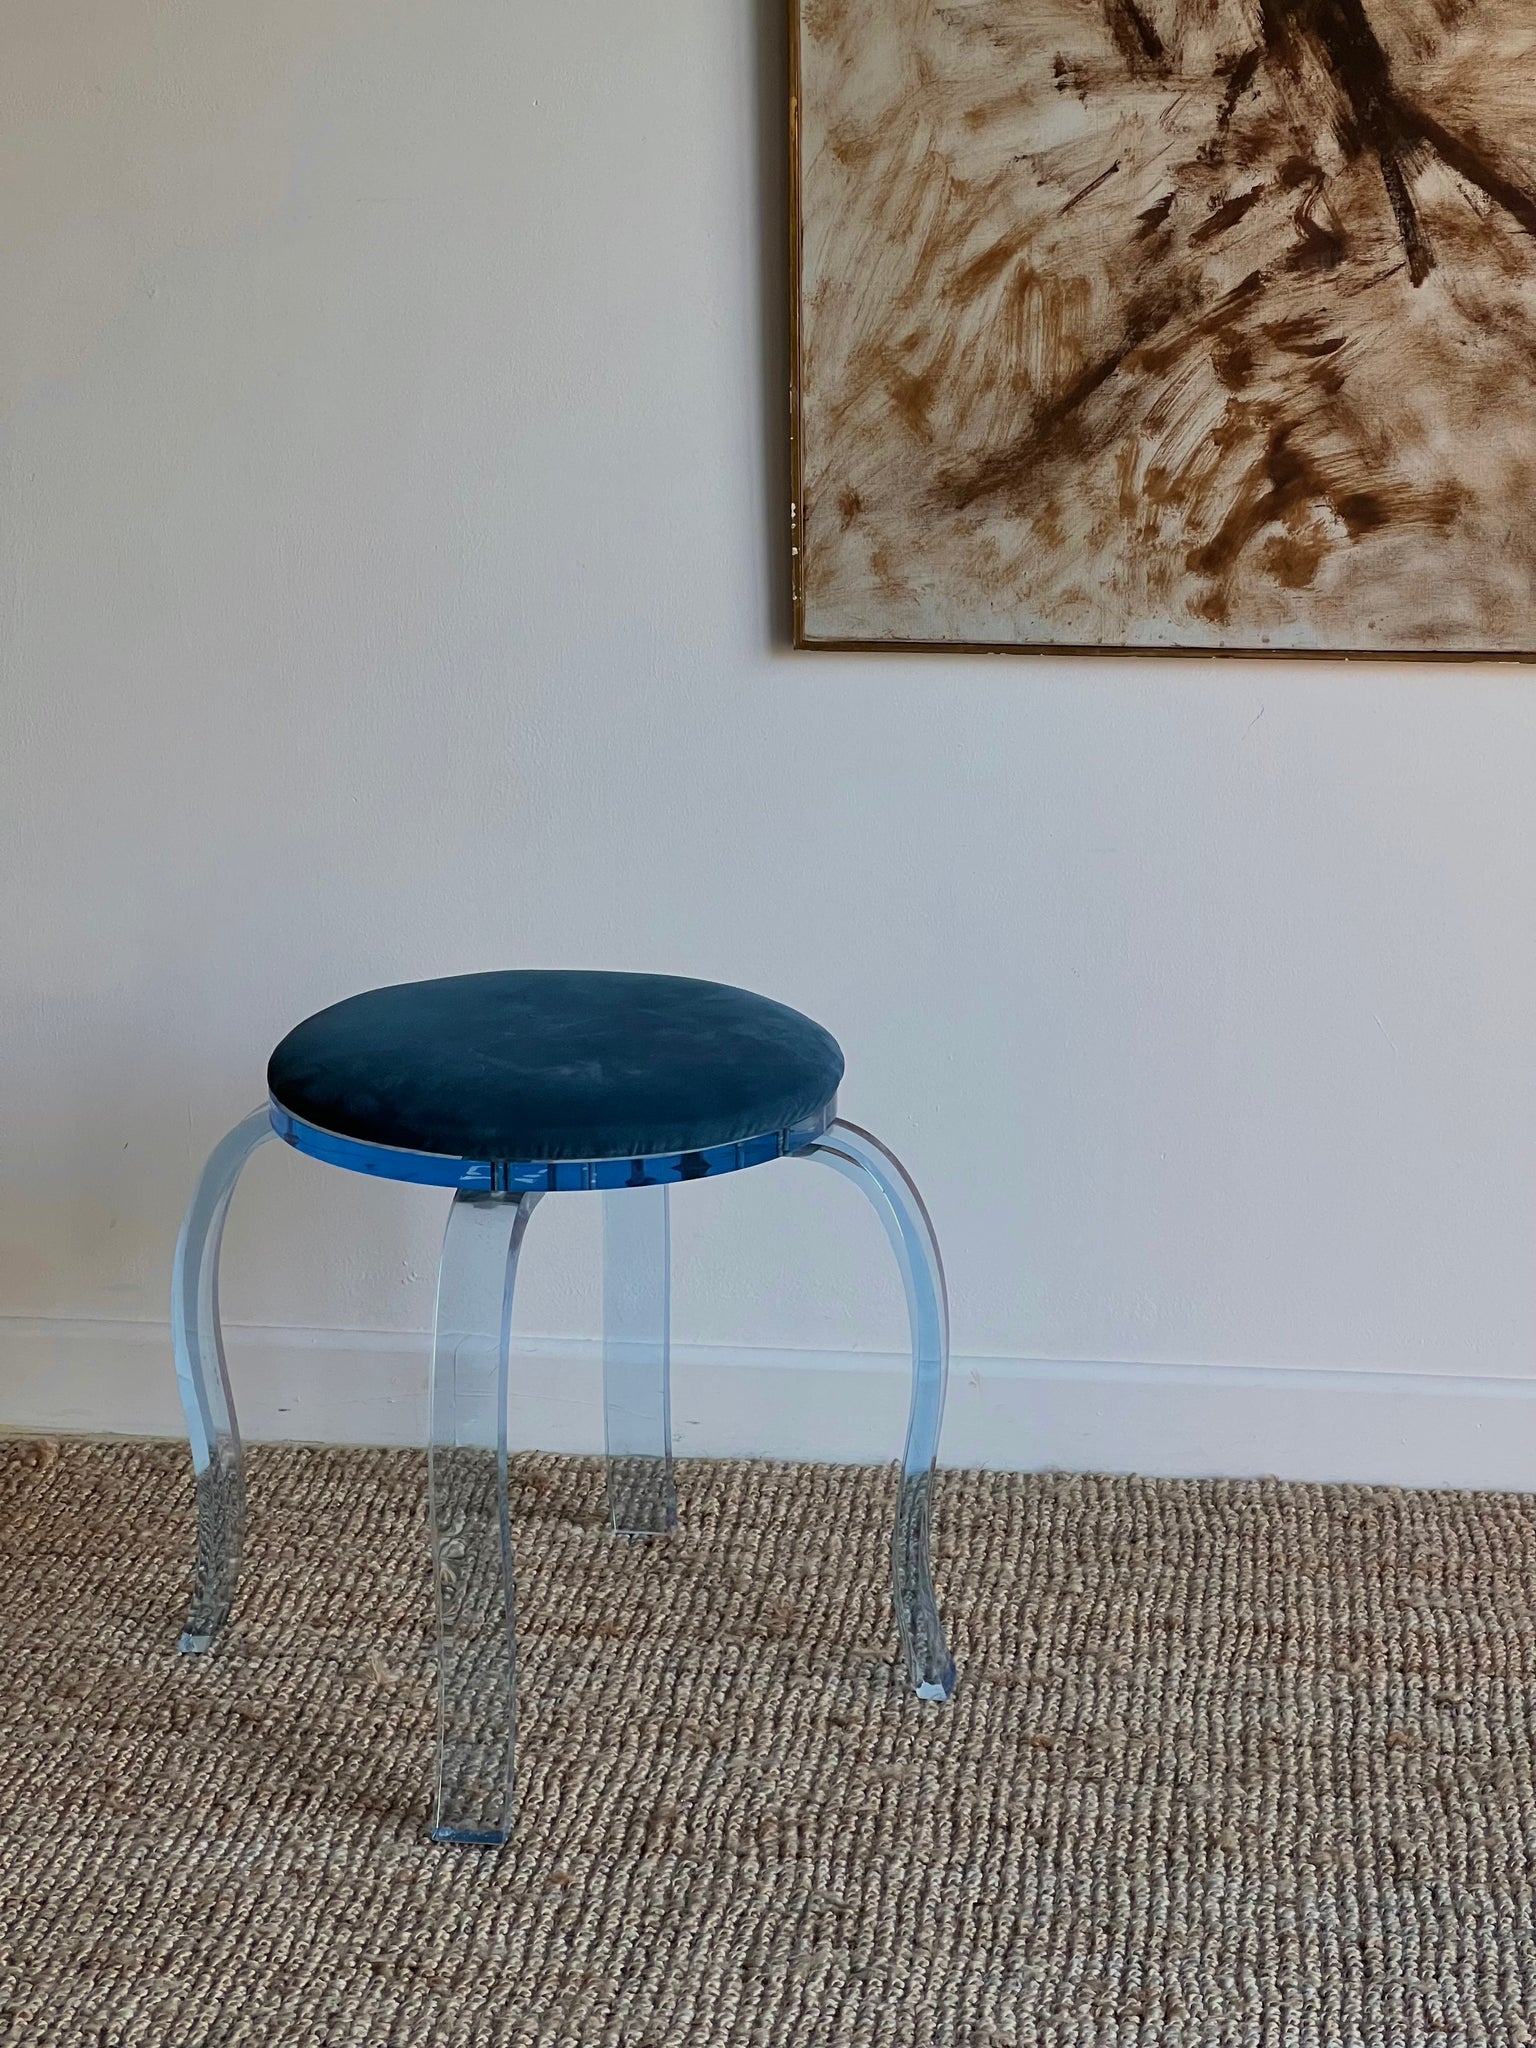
467	1452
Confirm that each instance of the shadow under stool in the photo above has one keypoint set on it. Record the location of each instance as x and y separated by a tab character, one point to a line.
507	1087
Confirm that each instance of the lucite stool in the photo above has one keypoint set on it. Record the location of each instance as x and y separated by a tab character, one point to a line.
508	1087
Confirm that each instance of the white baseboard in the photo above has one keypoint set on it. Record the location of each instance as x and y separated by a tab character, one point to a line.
356	1386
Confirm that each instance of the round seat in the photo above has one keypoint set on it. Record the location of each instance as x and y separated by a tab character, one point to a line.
553	1064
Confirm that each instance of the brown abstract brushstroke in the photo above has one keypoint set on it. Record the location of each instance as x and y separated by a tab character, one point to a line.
1145	338
1009	467
1320	244
1240	78
1341	30
1091	187
1282	481
1135	38
1383	120
982	270
1226	216
1472	165
1286	480
1378	118
1045	406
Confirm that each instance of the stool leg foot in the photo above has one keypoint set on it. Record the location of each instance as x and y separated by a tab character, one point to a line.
637	1415
865	1161
471	1524
203	1377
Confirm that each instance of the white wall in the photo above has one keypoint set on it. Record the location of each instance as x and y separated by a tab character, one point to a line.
390	503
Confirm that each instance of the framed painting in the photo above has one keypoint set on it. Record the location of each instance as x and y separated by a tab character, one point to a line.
1165	324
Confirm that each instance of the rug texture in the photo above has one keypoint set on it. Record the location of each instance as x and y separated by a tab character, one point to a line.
1230	1763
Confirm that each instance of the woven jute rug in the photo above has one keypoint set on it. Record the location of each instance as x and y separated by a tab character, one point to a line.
1230	1763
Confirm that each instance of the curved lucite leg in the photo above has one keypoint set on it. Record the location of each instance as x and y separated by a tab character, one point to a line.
471	1528
637	1414
865	1161
203	1377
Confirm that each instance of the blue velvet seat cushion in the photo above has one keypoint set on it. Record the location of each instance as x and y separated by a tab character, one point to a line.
546	1064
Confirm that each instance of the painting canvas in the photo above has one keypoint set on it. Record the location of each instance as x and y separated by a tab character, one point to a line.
1166	323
